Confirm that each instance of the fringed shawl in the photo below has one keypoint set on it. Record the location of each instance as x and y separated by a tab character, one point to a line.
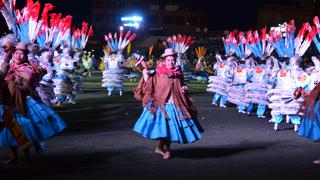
158	89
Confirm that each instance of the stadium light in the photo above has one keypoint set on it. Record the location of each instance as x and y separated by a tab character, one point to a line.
132	18
136	25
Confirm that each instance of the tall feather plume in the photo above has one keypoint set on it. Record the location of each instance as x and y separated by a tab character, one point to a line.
7	8
180	43
119	44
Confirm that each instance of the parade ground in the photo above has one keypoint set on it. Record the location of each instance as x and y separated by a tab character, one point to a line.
99	144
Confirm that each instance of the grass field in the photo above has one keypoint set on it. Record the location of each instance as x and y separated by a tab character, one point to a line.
94	84
94	95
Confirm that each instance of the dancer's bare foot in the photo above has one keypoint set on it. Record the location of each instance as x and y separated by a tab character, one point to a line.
167	155
317	162
159	151
13	160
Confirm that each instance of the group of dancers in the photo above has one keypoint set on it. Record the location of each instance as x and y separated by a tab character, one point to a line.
257	69
265	70
41	66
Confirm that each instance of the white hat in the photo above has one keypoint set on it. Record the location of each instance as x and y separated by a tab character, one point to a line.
168	52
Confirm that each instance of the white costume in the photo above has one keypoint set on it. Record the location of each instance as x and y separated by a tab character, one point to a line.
113	74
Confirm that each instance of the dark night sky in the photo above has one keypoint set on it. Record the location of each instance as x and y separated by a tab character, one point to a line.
223	15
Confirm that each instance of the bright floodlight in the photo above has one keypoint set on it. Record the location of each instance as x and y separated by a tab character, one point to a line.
132	18
121	28
136	25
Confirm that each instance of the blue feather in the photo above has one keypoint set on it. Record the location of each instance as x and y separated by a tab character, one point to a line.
317	43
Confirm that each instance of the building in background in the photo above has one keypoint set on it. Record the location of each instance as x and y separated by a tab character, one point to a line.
160	17
277	13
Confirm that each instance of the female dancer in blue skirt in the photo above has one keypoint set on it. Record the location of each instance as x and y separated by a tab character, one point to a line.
25	119
310	125
168	115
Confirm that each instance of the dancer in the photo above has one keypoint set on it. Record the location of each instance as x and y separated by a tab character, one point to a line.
37	120
168	115
201	68
290	76
45	88
219	83
310	124
258	85
113	74
64	78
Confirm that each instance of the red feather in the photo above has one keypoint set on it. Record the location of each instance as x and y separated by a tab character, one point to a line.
44	16
316	22
1	4
132	37
183	39
127	35
179	37
85	27
35	11
106	38
312	33
192	42
263	33
188	40
90	33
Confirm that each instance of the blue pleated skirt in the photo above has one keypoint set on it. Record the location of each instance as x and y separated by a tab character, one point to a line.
28	127
310	126
156	126
47	122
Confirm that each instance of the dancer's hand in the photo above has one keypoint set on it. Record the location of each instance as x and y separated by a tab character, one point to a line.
184	89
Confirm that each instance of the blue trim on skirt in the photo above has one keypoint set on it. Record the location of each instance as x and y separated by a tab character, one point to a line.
28	127
310	127
155	126
44	118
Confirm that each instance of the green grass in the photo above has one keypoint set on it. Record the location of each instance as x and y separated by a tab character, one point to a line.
94	95
94	84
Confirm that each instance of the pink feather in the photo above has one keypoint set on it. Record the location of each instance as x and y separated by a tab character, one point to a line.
106	38
132	37
90	33
121	33
179	38
44	16
127	35
183	39
85	27
312	33
316	22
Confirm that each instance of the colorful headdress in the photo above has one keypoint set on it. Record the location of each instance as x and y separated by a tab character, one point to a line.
260	46
118	45
201	52
285	43
80	36
179	43
7	8
239	44
227	45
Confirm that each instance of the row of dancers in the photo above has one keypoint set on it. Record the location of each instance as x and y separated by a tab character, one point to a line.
250	73
41	66
263	70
